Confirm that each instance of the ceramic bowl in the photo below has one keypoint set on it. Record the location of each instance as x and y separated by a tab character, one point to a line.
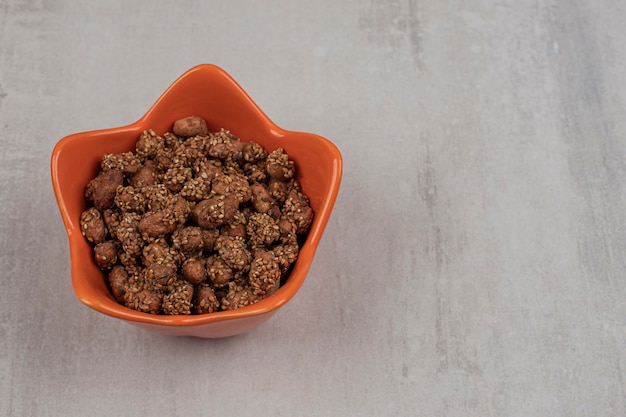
209	92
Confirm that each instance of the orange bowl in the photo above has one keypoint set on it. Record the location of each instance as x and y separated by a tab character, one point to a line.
209	92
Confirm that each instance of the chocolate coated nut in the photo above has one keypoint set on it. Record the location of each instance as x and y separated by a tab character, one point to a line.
190	126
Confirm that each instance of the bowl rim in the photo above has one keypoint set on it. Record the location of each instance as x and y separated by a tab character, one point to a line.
208	72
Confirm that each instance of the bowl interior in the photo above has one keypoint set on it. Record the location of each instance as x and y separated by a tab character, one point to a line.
209	92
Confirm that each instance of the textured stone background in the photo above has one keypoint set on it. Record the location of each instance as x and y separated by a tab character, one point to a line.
475	264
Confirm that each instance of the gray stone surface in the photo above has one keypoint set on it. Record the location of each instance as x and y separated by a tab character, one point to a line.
475	262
